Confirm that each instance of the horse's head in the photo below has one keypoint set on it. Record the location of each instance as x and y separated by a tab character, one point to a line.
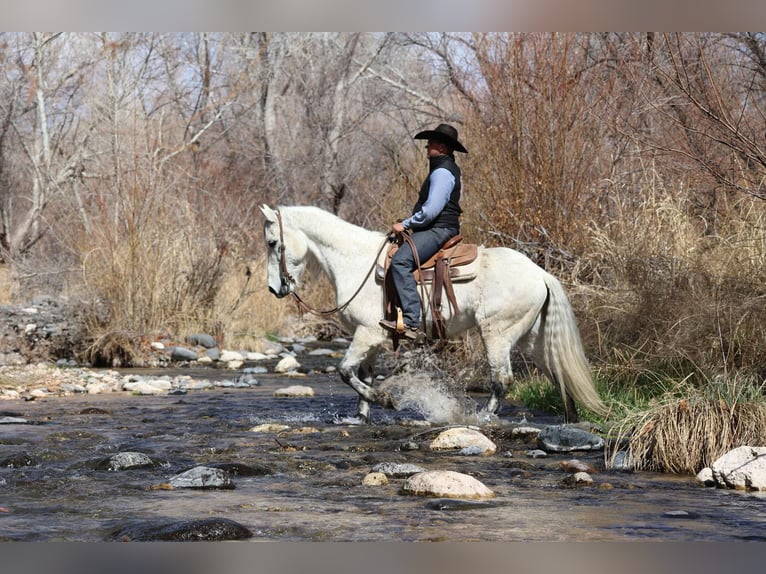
286	249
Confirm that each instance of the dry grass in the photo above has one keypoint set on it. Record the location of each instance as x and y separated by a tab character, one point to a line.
669	284
684	435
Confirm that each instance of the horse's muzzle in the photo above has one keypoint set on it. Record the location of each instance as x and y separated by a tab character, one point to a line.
284	291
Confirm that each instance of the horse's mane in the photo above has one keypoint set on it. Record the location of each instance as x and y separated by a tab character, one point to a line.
325	227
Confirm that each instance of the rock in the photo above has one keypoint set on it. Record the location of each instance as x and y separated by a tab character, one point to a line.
525	431
294	391
201	340
207	529
13	421
563	438
462	438
151	387
705	476
743	468
269	427
375	479
202	477
623	461
446	483
182	354
397	469
125	461
286	364
537	453
229	356
18	460
578	479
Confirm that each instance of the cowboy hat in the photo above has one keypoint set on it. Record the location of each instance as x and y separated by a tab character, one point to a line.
444	133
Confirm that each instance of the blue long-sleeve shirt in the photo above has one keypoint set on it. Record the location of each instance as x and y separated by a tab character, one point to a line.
441	183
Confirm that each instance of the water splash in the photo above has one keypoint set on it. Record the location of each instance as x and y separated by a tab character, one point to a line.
434	399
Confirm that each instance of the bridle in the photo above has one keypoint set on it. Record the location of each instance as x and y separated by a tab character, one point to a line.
286	277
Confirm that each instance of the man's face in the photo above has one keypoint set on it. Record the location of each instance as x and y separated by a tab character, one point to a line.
435	147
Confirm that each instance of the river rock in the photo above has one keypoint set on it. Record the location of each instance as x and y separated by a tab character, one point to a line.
18	460
397	469
269	427
578	479
287	364
182	354
375	479
201	340
207	529
294	391
13	421
202	477
743	468
446	483
564	438
125	461
705	476
229	356
462	438
149	387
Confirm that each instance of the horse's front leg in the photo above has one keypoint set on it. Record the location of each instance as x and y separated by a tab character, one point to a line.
356	370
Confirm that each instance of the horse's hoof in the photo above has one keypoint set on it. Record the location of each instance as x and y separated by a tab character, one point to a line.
386	400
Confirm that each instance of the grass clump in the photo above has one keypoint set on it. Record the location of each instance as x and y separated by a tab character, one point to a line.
689	427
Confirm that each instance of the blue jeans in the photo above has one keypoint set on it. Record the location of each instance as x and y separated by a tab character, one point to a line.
427	243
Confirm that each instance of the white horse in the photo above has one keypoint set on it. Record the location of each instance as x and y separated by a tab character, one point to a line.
512	301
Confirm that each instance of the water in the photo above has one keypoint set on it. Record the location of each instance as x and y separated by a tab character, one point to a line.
313	490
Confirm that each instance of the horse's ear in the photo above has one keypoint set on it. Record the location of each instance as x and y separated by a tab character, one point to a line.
268	213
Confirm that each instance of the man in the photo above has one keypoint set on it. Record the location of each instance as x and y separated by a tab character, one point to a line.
435	219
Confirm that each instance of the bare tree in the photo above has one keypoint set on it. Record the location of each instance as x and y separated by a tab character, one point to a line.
45	121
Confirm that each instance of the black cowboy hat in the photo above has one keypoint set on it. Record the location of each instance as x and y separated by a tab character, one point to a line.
444	133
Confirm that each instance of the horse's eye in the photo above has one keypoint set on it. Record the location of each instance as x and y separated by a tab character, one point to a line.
273	244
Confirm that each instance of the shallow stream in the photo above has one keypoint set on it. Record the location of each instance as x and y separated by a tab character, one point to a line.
305	483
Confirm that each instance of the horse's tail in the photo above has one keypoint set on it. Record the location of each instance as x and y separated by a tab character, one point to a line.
563	352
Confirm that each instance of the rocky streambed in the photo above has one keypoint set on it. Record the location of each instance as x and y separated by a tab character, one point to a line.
258	453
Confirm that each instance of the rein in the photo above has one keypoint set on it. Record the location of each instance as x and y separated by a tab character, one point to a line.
285	277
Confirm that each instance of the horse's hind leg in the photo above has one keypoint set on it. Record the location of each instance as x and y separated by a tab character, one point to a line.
500	372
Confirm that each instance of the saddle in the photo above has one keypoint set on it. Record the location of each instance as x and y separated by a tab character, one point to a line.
460	258
454	262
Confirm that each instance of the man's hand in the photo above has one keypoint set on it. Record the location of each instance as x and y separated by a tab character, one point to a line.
397	227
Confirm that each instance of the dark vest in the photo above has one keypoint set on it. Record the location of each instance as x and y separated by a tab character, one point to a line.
450	215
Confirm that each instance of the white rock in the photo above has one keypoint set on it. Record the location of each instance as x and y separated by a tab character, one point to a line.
234	365
252	356
705	476
375	479
157	345
269	427
288	363
157	387
228	356
743	468
525	431
446	483
462	438
294	391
